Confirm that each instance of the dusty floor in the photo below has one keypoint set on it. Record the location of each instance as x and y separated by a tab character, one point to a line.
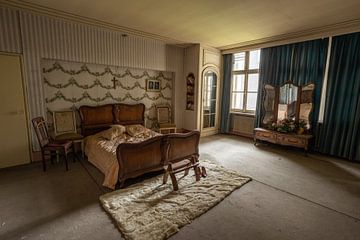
291	197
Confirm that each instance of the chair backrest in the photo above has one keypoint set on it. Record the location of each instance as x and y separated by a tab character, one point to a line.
64	122
40	127
182	146
163	114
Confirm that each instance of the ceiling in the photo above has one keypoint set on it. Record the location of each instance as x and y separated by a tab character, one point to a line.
217	23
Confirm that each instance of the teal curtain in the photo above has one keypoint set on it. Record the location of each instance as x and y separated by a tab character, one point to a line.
302	63
340	133
226	92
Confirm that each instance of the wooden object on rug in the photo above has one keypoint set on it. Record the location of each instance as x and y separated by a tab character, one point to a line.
151	210
182	154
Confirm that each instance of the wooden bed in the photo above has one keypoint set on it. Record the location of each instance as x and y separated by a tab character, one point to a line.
130	159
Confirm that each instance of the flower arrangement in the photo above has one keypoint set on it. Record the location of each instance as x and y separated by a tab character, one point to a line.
289	126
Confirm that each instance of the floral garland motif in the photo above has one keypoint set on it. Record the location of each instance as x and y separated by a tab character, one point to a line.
107	70
59	95
72	82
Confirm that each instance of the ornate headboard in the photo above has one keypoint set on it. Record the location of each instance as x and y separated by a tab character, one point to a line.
98	118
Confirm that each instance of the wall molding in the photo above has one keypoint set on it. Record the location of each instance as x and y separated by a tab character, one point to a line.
305	35
51	12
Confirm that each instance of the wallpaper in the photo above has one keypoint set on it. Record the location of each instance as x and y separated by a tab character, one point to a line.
39	37
68	85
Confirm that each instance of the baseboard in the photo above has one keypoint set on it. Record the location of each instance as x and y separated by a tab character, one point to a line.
242	134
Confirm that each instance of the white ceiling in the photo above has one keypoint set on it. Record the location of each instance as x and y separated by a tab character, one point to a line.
216	23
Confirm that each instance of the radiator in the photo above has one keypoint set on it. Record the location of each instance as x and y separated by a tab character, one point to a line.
242	125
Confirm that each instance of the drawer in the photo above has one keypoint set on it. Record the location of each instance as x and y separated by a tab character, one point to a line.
266	136
291	140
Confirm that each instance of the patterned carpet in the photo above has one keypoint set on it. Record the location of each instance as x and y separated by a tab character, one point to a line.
151	210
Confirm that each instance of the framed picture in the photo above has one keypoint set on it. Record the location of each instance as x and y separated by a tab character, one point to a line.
163	114
153	85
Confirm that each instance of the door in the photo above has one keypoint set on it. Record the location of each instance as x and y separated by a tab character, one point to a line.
14	141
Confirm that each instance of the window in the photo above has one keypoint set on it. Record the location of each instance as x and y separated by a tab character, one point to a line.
245	81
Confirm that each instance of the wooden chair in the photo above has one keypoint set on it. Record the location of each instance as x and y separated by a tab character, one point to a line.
164	120
47	145
65	129
182	154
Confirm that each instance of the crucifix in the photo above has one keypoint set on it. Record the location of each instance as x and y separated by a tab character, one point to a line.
114	80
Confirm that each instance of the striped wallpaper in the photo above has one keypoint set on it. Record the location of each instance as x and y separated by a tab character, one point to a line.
54	38
9	31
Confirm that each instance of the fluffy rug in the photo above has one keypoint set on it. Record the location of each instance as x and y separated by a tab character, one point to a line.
151	210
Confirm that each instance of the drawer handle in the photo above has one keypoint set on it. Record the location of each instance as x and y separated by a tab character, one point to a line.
293	141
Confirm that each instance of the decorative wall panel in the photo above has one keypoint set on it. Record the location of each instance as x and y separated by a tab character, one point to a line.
72	84
38	37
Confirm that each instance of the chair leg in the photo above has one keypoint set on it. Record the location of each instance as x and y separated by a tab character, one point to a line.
43	160
166	176
51	158
66	160
73	152
186	172
119	184
174	181
197	173
203	172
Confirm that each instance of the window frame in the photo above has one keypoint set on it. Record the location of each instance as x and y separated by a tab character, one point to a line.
246	72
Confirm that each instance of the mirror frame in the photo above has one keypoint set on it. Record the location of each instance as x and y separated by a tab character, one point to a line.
312	106
264	91
217	73
277	99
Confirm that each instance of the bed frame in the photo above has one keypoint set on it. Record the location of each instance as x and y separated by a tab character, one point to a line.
136	159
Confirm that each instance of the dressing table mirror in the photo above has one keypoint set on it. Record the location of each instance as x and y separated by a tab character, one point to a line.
286	115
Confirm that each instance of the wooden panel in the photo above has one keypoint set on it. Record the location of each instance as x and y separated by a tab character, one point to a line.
14	146
211	57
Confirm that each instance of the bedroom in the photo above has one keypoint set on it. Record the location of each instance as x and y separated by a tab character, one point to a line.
69	54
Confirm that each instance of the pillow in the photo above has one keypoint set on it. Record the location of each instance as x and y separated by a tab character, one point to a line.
120	128
113	132
135	130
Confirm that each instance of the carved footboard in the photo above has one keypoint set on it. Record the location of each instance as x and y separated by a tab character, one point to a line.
136	159
155	153
182	146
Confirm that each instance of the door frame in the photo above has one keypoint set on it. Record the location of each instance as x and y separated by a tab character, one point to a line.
25	94
215	129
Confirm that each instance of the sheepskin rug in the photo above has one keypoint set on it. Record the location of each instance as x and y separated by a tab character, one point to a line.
151	210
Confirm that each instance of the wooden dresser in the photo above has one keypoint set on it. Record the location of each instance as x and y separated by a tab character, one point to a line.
290	139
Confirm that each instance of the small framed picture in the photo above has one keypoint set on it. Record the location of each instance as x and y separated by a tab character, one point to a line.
153	85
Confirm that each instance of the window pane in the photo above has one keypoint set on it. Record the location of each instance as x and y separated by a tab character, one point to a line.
237	101
238	82
251	101
239	61
254	61
253	82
